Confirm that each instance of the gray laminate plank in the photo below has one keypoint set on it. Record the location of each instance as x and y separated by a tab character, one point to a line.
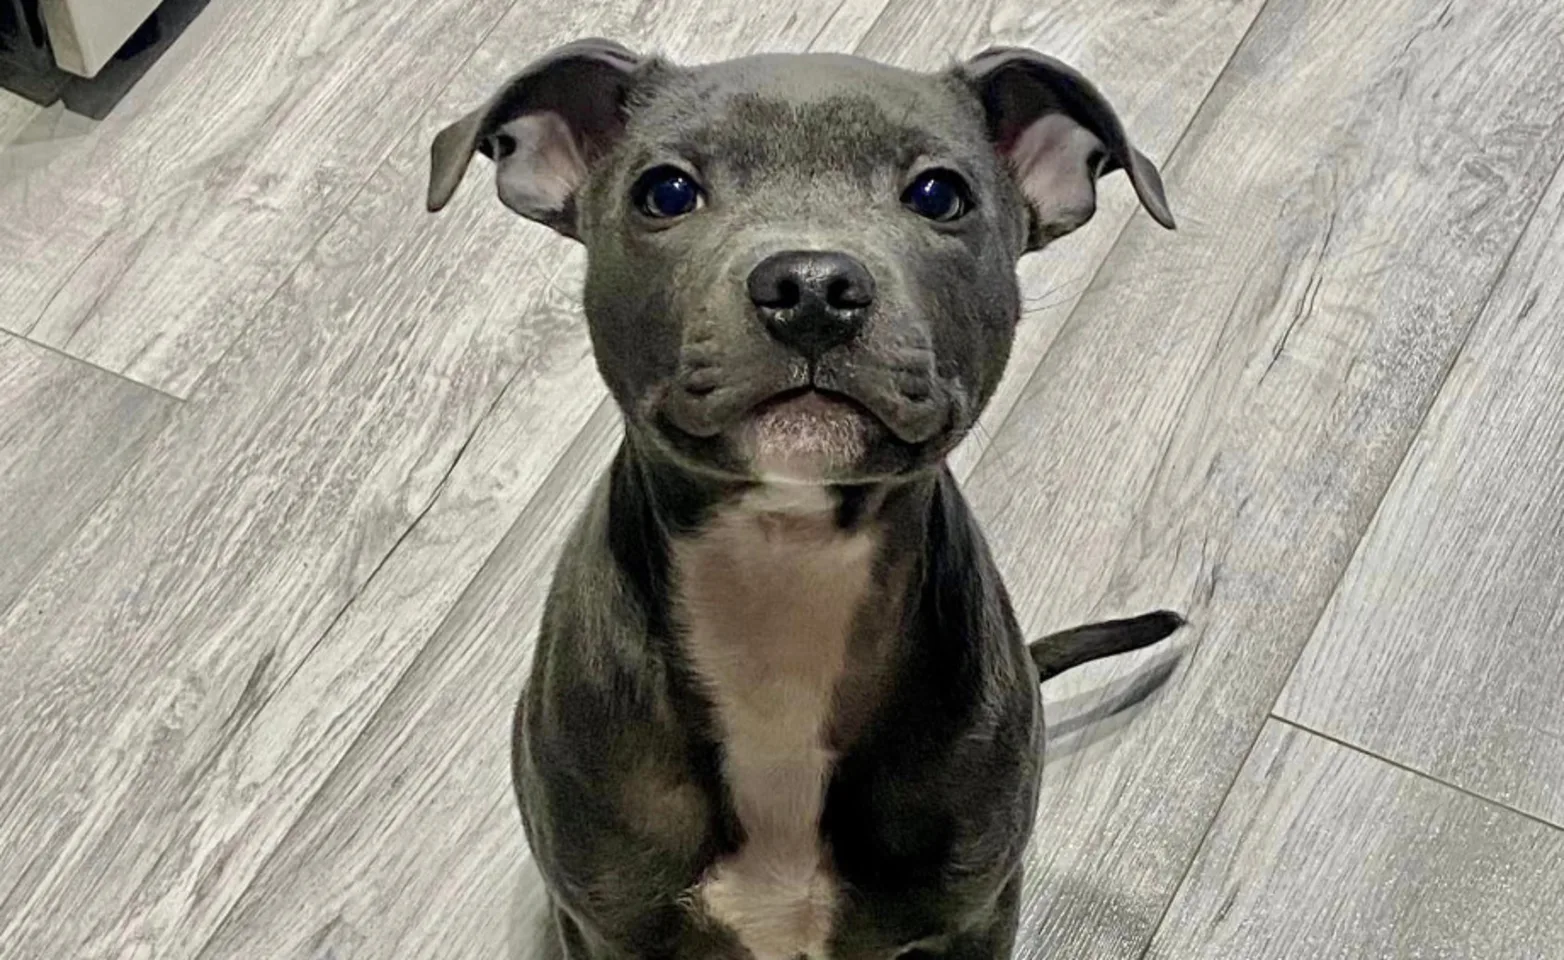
413	845
15	115
68	432
188	671
1324	852
32	138
1441	648
147	246
1216	422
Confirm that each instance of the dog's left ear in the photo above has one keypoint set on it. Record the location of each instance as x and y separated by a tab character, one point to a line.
543	129
1059	134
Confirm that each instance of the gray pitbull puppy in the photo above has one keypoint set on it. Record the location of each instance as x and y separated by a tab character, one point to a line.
780	705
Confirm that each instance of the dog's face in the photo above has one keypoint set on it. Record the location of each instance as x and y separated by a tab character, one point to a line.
800	267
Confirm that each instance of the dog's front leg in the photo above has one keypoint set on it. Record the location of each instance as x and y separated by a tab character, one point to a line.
991	940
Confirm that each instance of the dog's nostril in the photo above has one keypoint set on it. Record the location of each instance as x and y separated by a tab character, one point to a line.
811	279
788	295
844	294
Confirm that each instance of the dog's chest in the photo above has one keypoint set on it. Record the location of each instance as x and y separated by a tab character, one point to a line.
768	605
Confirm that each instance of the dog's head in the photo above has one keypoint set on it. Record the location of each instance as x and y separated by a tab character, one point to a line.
799	266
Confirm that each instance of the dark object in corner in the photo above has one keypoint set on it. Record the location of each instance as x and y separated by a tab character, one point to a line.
27	66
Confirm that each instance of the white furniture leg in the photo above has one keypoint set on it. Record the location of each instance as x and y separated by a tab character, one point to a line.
85	33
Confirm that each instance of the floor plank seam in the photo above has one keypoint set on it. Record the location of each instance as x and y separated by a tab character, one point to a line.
69	276
1259	731
1466	337
1420	774
1477	315
372	169
445	477
434	498
72	358
412	664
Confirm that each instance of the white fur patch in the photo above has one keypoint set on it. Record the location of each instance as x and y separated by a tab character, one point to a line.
807	439
768	595
782	497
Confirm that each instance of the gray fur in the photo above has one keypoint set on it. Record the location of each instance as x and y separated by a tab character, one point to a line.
935	731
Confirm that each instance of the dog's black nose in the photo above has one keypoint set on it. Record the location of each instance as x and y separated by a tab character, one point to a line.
812	300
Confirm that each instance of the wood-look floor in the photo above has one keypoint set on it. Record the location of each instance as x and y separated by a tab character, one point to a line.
284	464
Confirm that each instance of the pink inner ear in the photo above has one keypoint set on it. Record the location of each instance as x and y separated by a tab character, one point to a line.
1050	158
545	170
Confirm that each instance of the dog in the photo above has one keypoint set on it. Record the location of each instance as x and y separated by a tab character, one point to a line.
780	705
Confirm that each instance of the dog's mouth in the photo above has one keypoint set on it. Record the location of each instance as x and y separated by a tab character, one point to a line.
810	425
810	400
807	434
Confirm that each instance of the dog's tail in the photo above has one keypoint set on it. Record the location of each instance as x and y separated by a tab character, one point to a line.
1067	649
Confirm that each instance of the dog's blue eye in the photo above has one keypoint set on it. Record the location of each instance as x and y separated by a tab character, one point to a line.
937	195
668	192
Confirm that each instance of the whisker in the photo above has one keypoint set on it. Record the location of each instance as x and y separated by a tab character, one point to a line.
1054	295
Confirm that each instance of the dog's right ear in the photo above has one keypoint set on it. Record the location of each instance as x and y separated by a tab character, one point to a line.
543	129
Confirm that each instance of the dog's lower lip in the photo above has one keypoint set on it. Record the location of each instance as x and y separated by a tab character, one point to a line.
806	435
810	396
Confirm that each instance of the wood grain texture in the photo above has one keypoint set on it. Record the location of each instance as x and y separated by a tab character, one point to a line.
413	845
1155	61
1441	649
68	432
1321	851
149	246
366	870
196	640
1213	427
31	138
1215	422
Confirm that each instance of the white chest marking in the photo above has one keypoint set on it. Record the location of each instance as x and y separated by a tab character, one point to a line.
768	602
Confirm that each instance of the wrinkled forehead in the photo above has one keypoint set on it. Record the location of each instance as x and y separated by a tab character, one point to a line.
810	113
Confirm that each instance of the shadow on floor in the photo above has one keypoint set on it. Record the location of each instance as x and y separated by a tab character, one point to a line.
1077	724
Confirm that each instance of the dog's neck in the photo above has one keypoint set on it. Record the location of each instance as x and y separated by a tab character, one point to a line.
923	524
656	503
